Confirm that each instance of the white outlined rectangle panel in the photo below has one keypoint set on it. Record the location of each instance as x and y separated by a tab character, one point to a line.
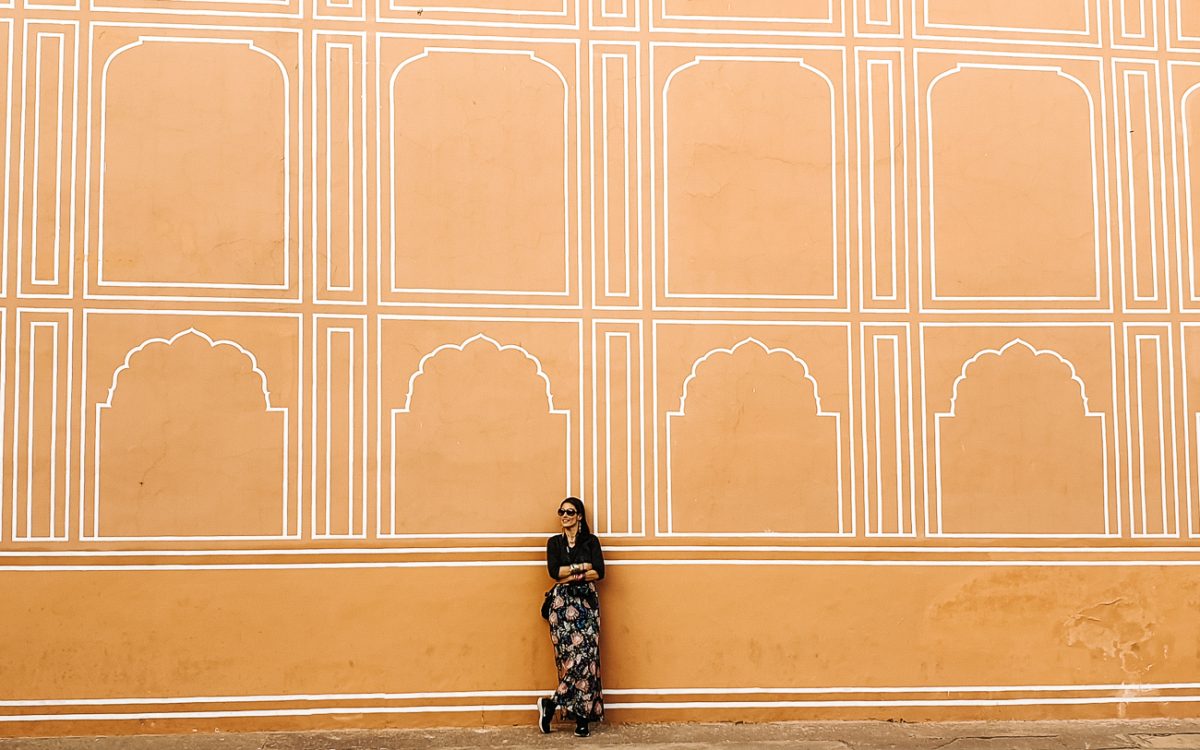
1183	22
1189	381
618	414
42	425
46	187
1063	22
339	203
616	149
339	10
1153	485
417	77
556	14
616	15
271	9
883	189
120	268
257	408
1134	23
1142	192
803	270
889	480
784	17
8	73
339	490
1075	283
883	18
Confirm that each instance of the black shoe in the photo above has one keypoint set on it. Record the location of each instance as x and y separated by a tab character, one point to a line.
545	708
581	729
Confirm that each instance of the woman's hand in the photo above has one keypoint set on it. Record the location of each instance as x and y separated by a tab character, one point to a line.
566	571
584	575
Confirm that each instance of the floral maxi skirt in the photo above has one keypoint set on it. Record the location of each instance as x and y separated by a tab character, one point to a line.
575	633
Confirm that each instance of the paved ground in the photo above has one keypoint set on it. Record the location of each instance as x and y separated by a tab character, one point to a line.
1067	735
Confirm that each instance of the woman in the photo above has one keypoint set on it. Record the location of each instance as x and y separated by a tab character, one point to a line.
575	562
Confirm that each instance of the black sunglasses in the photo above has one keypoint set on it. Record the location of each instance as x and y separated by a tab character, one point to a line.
567	512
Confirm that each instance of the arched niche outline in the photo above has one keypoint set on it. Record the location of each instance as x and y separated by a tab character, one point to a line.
286	166
394	283
680	412
694	64
539	371
934	525
106	404
1097	222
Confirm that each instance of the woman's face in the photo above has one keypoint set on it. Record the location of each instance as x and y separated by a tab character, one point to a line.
568	517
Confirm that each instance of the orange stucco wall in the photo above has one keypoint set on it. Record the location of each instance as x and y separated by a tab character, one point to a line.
868	330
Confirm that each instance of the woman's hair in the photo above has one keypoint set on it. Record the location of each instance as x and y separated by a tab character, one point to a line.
577	504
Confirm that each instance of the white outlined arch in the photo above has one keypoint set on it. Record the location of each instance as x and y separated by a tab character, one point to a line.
680	412
287	167
934	529
394	286
1097	225
267	407
666	176
540	372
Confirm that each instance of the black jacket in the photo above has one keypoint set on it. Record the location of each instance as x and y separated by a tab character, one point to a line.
586	549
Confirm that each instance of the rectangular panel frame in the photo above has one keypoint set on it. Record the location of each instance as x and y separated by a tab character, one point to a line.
604	333
324	327
61	322
1135	431
322	244
899	203
902	424
1144	122
61	282
631	207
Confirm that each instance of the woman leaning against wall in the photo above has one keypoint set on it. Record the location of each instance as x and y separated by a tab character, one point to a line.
575	562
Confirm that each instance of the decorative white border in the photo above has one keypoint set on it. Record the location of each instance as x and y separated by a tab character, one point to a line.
604	332
64	216
1112	500
574	452
1098	124
1164	447
845	447
923	28
292	466
249	44
902	418
358	197
354	327
392	295
658	132
251	37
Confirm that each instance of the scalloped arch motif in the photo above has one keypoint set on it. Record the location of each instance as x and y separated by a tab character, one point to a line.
214	343
1000	352
748	341
480	337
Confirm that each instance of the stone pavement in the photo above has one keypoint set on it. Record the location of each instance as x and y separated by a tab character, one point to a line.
846	735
